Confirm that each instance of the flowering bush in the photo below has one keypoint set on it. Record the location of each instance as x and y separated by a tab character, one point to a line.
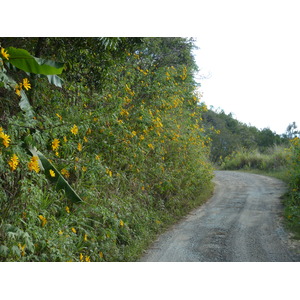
135	153
292	202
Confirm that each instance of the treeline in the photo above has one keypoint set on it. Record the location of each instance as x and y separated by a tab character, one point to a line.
230	135
237	146
102	145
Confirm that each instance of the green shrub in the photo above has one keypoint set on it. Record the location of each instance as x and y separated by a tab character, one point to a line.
135	152
273	159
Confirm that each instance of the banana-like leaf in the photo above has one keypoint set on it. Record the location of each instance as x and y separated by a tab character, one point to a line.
53	79
56	80
25	105
58	179
23	60
7	82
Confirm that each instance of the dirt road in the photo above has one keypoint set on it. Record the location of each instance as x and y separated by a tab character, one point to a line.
241	222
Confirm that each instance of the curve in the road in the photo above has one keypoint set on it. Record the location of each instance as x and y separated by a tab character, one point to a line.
241	222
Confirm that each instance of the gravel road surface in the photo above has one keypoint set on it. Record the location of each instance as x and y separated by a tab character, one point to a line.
240	223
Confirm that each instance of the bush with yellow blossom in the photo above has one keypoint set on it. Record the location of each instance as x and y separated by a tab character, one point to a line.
135	151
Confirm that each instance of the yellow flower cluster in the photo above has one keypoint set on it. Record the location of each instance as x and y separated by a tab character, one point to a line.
5	138
22	248
14	161
65	172
295	141
33	165
83	258
43	219
4	53
20	86
143	71
74	129
52	173
184	75
109	172
129	91
55	144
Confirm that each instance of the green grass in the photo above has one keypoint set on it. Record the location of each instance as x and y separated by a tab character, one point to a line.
281	163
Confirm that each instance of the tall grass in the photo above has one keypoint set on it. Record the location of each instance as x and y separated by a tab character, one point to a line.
280	162
274	159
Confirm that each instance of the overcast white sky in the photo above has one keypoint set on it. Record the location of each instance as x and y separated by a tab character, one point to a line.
251	50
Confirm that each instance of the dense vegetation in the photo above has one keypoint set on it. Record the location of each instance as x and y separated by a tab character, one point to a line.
100	152
237	146
231	135
104	142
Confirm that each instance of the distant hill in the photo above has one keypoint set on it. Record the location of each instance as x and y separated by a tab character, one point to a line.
231	134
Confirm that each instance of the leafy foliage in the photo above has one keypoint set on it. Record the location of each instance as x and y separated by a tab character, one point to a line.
230	135
124	130
292	201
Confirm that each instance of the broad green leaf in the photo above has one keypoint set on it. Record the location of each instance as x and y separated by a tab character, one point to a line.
23	60
56	80
58	179
53	79
25	105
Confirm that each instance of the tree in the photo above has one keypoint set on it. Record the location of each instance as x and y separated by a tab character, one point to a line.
291	131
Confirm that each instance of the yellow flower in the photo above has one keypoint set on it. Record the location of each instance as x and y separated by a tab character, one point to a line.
121	223
60	232
81	257
52	173
124	112
85	237
85	139
79	147
26	84
55	144
59	116
74	129
33	165
14	161
109	172
87	259
4	53
84	169
5	139
18	91
65	172
65	139
22	248
73	230
151	146
43	219
67	209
